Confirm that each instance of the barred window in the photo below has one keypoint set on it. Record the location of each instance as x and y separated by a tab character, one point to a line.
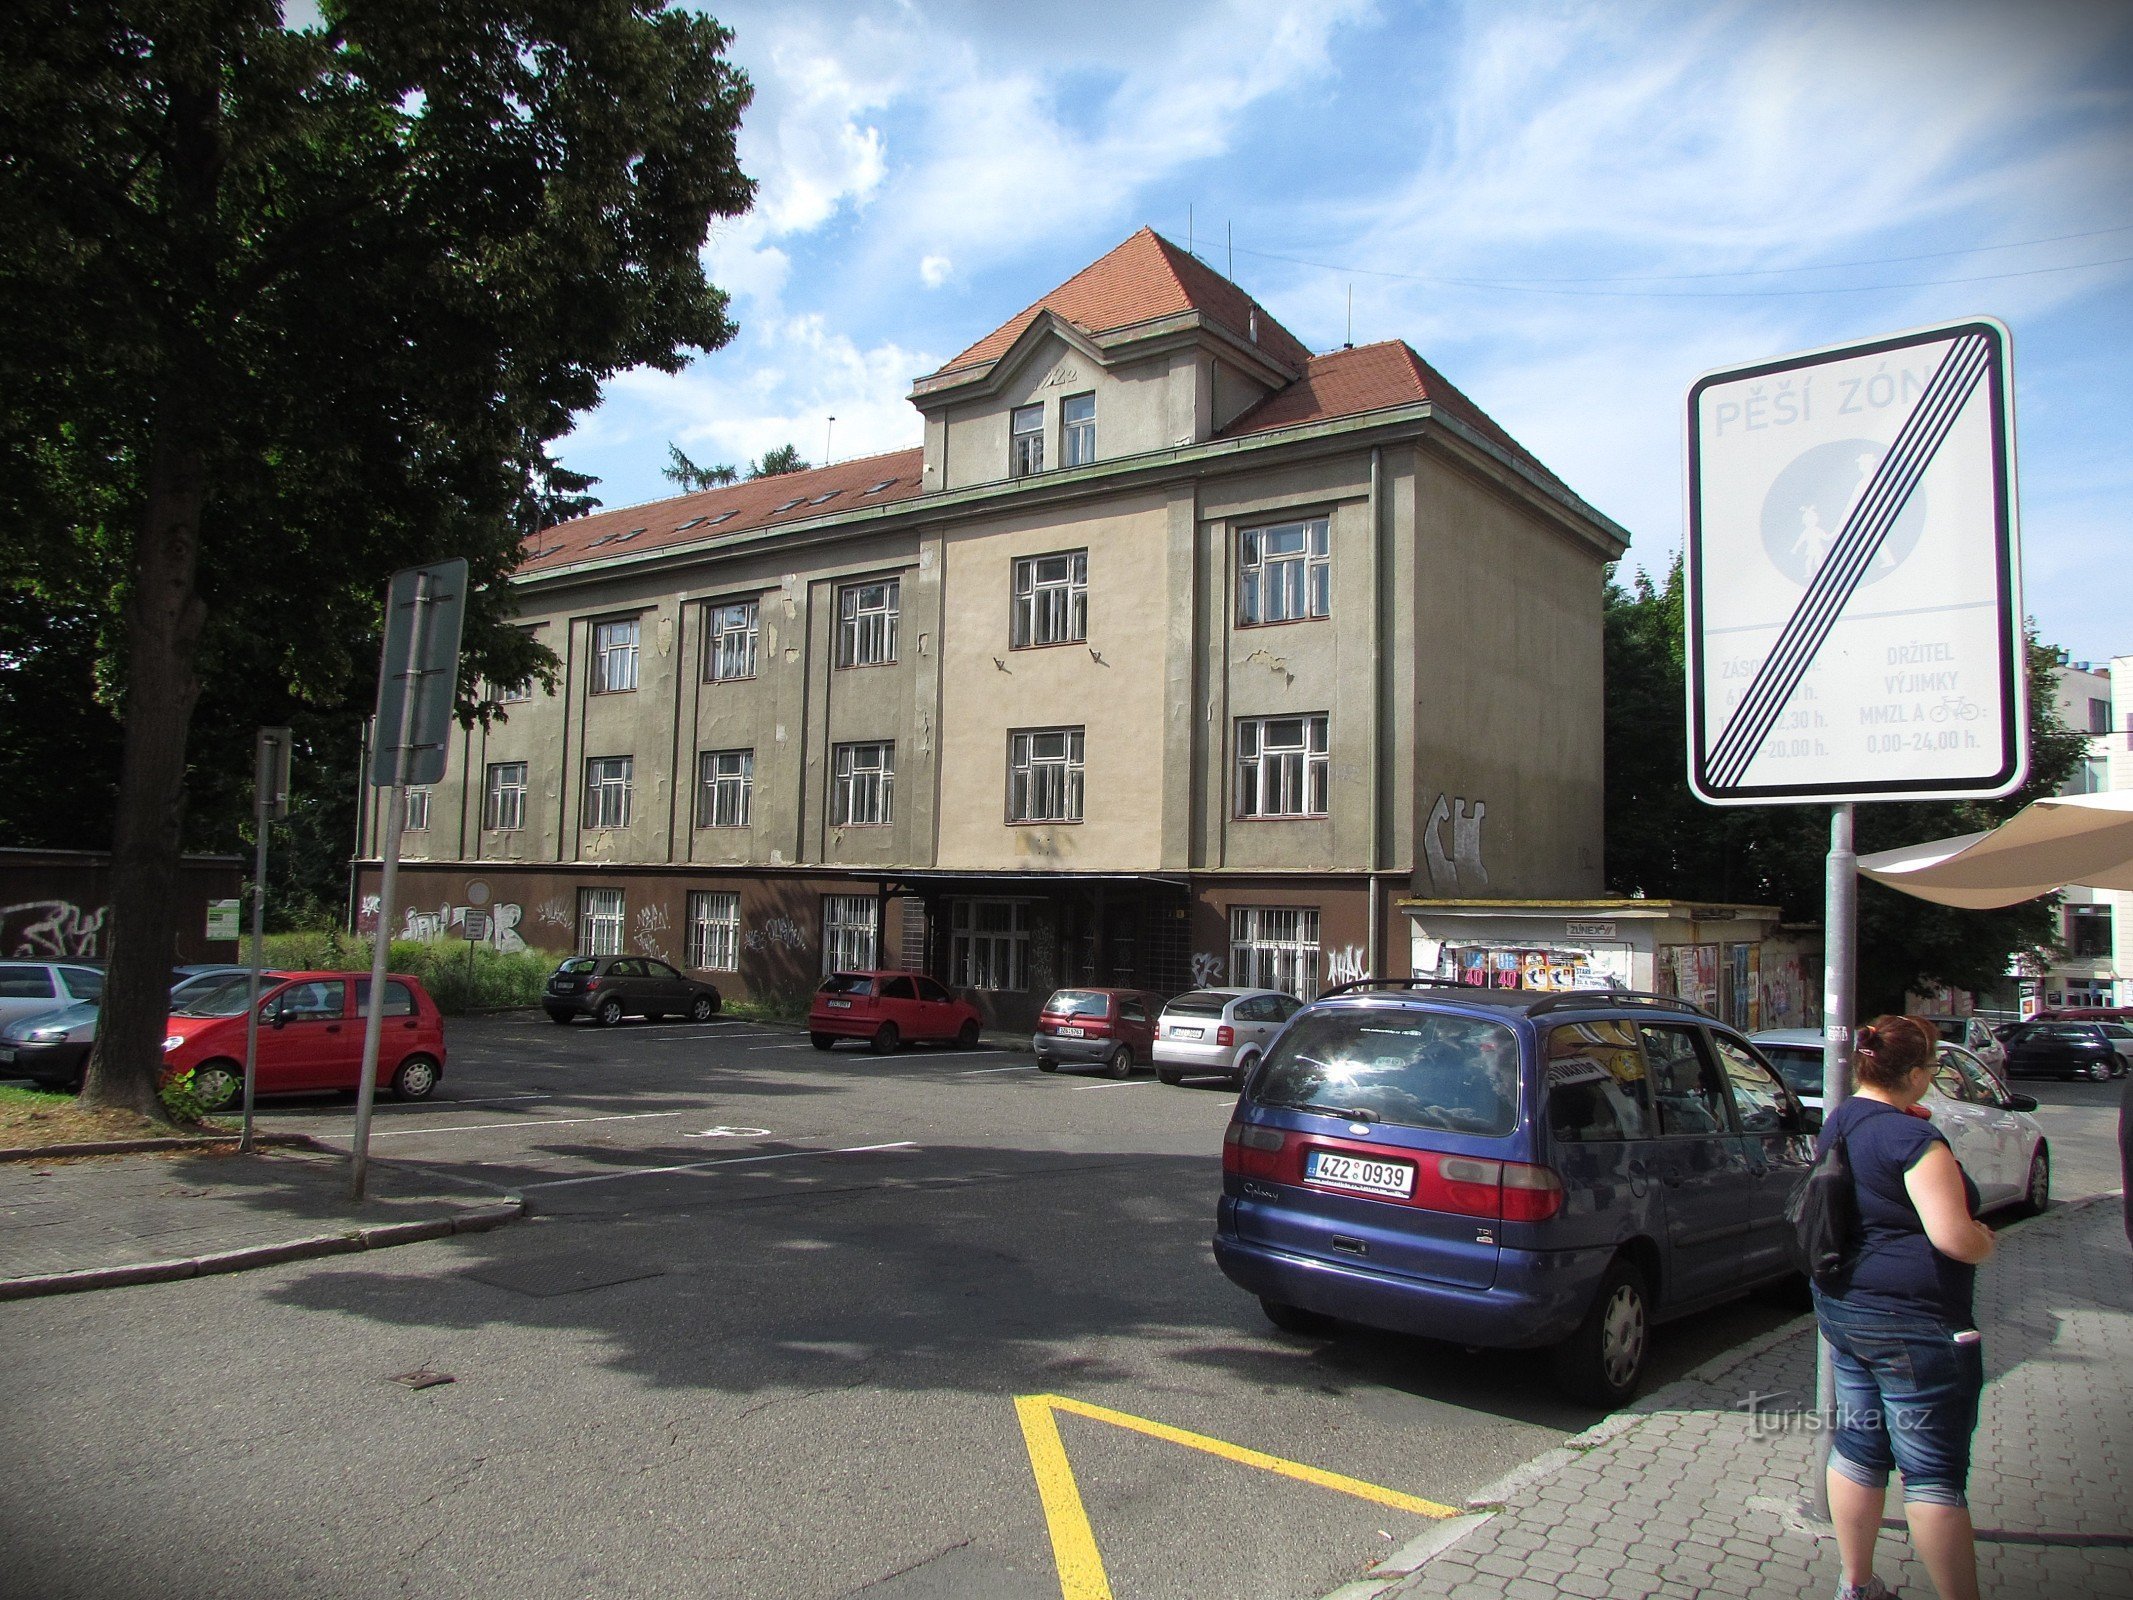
1284	573
1051	600
1281	766
614	663
1044	781
862	784
866	623
418	808
851	930
1275	947
599	922
607	791
729	641
503	804
1077	430
989	944
725	788
714	930
1026	440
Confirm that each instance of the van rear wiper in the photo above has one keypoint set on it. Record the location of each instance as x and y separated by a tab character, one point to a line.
1352	1113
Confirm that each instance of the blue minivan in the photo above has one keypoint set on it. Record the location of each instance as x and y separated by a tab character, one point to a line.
1509	1167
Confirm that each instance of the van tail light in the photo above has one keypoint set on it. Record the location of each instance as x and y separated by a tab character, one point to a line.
591	984
1530	1194
1225	1035
1253	1152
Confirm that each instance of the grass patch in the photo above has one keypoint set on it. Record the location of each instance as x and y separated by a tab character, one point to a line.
30	1119
458	979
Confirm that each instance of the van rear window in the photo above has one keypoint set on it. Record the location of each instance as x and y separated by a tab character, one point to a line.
1410	1069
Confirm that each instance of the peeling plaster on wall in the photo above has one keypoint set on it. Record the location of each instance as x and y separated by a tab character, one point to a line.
51	929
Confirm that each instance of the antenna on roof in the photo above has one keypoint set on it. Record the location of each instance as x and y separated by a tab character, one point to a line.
1350	345
1188	230
828	429
1230	228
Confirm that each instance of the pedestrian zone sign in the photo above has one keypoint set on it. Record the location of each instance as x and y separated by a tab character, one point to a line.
1854	576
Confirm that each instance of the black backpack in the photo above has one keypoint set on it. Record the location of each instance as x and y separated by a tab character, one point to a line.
1824	1214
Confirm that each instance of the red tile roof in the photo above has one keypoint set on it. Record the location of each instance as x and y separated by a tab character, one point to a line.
1145	278
1374	377
714	513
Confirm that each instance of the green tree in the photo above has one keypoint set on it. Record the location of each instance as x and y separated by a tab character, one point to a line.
777	462
680	469
290	308
1664	842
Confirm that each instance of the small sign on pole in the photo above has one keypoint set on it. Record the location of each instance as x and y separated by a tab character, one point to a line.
224	920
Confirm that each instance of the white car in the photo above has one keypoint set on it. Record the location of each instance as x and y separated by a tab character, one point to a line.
1973	1035
1219	1032
1990	1129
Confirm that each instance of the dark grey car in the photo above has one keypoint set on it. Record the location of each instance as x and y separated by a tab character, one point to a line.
609	988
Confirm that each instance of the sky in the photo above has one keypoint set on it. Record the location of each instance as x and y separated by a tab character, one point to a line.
1572	210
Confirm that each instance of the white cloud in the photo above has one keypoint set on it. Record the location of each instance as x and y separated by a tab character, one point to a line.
933	271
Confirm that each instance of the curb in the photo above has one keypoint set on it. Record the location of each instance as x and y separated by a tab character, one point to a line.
175	1141
380	1237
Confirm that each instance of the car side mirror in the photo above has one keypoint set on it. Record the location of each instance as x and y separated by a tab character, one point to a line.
278	1016
2022	1102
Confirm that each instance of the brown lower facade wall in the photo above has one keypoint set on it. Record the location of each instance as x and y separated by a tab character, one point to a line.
1003	943
56	905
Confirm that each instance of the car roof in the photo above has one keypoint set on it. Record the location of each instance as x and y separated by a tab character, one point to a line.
1428	992
1811	1036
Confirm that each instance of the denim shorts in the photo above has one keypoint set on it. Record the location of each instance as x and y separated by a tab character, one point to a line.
1907	1398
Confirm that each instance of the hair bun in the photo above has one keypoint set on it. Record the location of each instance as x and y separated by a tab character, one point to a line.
1869	1038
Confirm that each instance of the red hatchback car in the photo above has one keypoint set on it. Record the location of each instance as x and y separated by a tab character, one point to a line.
310	1036
1113	1027
886	1008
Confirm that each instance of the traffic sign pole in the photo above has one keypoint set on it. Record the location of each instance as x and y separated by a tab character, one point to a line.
270	802
1840	969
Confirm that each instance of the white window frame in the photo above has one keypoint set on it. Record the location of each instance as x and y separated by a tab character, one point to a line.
503	798
1050	600
1275	947
511	694
731	628
1025	440
614	657
851	933
715	930
600	922
1285	572
725	788
863	784
1283	766
1077	434
418	809
988	945
610	785
1045	774
866	631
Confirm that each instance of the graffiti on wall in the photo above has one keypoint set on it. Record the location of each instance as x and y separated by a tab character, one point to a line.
1208	969
777	932
653	925
1346	965
1462	867
450	922
53	929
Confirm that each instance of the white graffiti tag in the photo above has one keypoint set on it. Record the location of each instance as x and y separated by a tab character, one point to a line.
50	928
1208	970
1346	966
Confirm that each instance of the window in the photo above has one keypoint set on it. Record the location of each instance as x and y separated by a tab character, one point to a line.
511	694
29	983
1284	573
2093	776
729	641
1758	1097
607	791
314	1000
1044	776
1281	766
503	802
599	922
1275	947
1051	600
851	927
862	785
866	624
714	930
2099	716
725	784
2088	928
614	656
989	944
1684	1083
418	808
1025	445
1407	1069
1595	1083
399	999
86	983
1077	430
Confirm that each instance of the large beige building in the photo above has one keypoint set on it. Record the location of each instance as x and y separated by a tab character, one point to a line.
1174	653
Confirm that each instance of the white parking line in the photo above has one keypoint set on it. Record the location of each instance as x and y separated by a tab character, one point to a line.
727	1161
1121	1083
530	1122
979	1072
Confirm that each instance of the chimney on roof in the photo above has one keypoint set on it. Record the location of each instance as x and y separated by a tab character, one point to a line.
1255	325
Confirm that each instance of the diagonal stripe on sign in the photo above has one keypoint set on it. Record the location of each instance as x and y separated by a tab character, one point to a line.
1866	527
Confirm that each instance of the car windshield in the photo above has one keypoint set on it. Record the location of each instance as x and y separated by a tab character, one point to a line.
1078	1003
847	983
218	997
577	967
1200	1003
1800	1065
1416	1070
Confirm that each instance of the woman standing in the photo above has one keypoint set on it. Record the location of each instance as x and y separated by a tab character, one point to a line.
1909	1364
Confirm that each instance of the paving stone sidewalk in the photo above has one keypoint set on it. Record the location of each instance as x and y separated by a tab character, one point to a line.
94	1221
1697	1491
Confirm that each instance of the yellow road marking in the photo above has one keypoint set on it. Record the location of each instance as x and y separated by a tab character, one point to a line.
1081	1569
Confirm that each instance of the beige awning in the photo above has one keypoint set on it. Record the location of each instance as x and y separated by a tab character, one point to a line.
2084	839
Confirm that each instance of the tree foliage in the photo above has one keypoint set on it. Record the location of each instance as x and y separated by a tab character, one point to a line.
775	463
1664	842
290	308
681	470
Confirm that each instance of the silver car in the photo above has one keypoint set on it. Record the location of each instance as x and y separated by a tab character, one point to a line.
1973	1035
29	987
1219	1032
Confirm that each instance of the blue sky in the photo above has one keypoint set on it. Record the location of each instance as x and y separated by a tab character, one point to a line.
1573	210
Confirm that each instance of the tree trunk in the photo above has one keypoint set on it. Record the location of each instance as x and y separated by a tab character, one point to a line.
164	619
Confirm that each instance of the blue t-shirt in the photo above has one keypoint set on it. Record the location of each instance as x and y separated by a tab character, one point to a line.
1895	1267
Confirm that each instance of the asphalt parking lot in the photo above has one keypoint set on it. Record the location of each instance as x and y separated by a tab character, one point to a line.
782	1324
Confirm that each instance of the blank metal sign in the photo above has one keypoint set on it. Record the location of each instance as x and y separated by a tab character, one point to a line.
1854	579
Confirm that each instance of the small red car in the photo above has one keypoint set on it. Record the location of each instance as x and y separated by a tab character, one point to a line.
887	1008
1113	1027
310	1036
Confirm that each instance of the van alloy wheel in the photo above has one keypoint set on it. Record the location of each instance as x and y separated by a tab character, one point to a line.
1622	1335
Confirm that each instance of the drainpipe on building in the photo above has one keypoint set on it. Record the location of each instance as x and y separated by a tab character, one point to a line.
1375	943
